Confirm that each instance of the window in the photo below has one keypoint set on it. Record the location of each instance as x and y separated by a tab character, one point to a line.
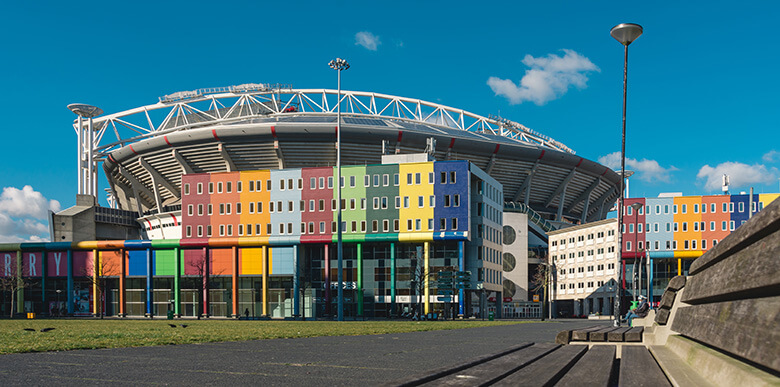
258	230
629	210
443	178
268	228
200	209
221	230
238	208
674	209
406	202
271	206
300	184
695	208
695	226
447	201
290	206
366	181
456	200
684	208
362	226
219	187
376	203
330	182
741	206
362	203
455	224
712	208
723	226
187	189
322	227
240	228
312	206
289	228
386	225
376	180
230	230
352	204
385	180
628	245
712	226
259	185
408	179
354	226
211	188
209	208
222	208
200	188
452	177
322	182
432	201
289	184
269	185
417	225
229	186
420	201
704	244
685	226
430	178
352	182
630	228
430	224
396	179
189	230
200	231
239	186
322	204
442	224
384	202
686	244
374	226
189	210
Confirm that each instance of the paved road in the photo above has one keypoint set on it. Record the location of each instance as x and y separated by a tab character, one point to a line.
335	361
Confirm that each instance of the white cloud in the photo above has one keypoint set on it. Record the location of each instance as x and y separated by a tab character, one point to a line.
771	156
548	78
646	170
740	174
21	212
368	40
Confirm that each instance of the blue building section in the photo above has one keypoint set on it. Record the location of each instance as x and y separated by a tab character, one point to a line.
136	263
741	205
283	260
452	194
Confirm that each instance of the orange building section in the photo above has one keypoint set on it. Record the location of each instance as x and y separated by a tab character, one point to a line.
250	261
110	262
221	262
254	199
688	219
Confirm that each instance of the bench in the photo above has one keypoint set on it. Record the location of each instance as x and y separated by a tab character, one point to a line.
718	326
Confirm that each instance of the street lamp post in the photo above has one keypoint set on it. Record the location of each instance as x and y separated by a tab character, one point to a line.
625	33
339	65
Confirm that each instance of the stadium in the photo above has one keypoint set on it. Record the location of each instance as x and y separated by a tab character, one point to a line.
226	134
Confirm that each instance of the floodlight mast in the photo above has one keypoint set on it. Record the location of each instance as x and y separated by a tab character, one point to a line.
339	65
87	184
625	33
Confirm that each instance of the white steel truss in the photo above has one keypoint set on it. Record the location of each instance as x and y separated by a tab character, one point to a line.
206	107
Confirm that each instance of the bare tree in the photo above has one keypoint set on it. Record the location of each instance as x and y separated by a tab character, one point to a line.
14	282
303	279
541	281
419	277
99	279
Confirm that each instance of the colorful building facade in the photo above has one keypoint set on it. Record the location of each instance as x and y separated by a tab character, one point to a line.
262	243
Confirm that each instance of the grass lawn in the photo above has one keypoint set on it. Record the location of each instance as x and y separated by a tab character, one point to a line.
112	333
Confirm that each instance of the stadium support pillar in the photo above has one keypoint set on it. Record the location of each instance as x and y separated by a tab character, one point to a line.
461	292
296	282
427	291
95	278
327	279
19	290
122	275
149	273
44	272
234	257
265	280
70	281
359	294
392	278
205	285
177	253
679	266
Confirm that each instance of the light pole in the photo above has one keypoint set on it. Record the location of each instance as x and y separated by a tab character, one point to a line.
625	33
339	65
88	183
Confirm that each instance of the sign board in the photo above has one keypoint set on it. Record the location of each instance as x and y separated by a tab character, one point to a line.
444	298
536	298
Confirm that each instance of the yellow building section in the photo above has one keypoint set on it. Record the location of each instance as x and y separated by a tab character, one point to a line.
767	198
251	261
254	202
688	221
417	181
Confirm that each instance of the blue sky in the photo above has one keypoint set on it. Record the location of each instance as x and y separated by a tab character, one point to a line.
703	80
